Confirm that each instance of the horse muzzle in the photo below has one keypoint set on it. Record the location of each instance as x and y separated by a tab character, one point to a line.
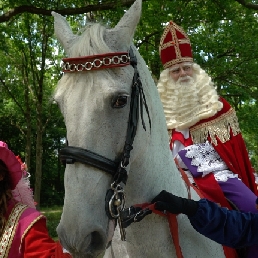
88	246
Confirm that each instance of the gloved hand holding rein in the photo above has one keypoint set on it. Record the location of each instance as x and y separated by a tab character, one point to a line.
166	201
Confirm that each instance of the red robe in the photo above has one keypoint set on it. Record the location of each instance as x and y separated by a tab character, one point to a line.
222	131
38	243
26	235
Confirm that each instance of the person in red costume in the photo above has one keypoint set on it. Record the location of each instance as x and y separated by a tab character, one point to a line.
204	133
23	231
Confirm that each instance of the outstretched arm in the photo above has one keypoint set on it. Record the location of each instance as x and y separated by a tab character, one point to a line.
226	227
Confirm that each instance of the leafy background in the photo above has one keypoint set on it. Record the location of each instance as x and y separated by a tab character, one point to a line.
224	40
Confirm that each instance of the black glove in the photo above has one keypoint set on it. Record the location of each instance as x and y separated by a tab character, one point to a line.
174	204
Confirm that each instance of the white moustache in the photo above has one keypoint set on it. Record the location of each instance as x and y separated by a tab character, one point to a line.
185	79
184	82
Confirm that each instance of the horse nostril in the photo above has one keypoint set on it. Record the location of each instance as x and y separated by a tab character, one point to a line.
97	242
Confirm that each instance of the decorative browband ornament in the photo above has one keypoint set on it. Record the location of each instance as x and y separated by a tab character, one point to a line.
94	62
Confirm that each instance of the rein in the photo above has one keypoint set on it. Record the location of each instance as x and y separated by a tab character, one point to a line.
115	196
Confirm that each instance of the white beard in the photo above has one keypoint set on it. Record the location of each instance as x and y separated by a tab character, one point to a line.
187	102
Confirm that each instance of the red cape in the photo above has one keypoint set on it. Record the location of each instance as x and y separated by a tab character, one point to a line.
38	243
230	147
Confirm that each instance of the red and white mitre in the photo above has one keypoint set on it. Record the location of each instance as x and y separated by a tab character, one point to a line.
175	46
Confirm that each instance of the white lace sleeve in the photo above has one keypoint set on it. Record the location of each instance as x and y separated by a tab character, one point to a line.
207	160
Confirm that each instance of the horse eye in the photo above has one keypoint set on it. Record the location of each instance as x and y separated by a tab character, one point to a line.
119	102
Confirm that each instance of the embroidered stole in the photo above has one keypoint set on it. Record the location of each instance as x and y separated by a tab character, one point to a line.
10	229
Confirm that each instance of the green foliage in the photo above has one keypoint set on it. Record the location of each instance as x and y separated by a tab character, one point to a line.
223	35
249	127
28	77
223	40
53	216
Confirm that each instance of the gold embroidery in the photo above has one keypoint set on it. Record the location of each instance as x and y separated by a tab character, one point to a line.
9	230
30	226
219	127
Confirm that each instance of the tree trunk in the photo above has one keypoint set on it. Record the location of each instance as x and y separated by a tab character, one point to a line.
38	172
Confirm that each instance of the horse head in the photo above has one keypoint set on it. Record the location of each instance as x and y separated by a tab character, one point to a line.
116	129
95	104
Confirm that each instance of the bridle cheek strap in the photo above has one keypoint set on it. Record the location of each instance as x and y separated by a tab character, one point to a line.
138	101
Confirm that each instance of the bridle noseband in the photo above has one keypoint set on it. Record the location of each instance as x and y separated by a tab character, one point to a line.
115	197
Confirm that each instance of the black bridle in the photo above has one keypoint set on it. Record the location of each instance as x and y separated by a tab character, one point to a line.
115	198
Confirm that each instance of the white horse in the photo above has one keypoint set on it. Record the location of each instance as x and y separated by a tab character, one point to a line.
96	105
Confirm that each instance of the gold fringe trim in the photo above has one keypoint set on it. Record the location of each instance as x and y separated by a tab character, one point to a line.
219	127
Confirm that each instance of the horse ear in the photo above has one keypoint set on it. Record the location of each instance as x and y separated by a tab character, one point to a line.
63	31
123	32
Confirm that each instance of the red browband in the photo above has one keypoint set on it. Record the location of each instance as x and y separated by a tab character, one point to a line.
102	61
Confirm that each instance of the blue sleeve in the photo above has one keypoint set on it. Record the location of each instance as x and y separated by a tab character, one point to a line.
226	227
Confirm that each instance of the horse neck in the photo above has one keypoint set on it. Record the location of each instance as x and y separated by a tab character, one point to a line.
154	168
149	174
